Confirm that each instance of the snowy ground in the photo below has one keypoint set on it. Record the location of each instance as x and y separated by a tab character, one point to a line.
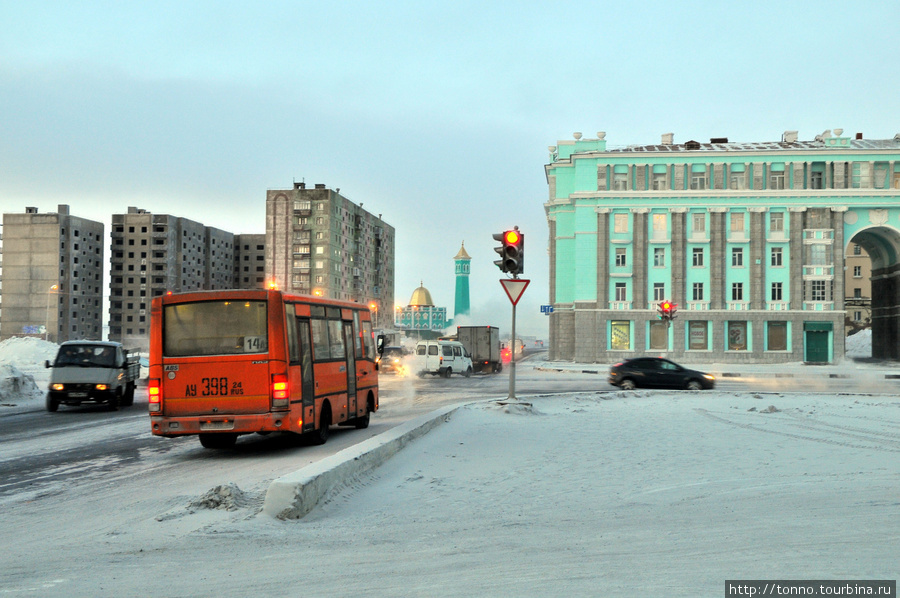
612	494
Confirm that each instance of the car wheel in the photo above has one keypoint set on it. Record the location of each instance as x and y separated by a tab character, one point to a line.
218	441
468	373
115	400
694	385
448	372
52	404
627	384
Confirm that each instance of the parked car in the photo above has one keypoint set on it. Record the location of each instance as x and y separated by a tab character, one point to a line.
392	359
656	372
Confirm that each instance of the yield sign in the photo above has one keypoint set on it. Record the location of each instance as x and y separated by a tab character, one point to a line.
514	288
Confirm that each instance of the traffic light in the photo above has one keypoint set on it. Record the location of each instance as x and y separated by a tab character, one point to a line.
667	310
511	250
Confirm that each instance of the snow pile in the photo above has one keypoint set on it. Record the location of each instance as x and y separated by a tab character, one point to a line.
16	386
27	353
227	496
859	345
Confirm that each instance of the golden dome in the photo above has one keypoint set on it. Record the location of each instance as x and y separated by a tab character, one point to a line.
421	298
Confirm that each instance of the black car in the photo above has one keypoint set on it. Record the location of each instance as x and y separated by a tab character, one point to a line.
656	372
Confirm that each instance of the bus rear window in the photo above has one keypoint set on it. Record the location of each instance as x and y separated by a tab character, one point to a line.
215	328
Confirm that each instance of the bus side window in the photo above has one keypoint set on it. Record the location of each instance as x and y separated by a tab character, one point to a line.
357	335
321	350
368	340
290	322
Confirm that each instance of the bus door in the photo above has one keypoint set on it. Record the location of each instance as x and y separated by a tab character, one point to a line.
307	383
350	351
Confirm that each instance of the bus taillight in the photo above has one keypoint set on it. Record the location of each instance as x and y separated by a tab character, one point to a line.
281	395
154	391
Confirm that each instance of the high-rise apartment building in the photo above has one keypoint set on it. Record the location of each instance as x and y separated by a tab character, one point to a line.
250	261
319	242
152	254
52	276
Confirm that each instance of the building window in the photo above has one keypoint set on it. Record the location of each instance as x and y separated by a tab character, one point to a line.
620	223
857	293
698	291
621	257
697	336
818	290
775	256
737	222
659	257
857	250
659	226
620	335
620	181
816	180
698	181
818	255
857	316
737	291
737	336
659	291
698	222
697	254
776	336
776	291
857	271
659	181
737	180
776	180
737	257
621	291
776	222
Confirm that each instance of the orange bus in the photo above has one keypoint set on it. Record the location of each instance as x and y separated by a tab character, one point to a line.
226	363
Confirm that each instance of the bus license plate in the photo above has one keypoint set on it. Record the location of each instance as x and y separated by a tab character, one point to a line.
217	425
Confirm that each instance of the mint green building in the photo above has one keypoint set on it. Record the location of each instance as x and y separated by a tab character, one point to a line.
748	239
463	263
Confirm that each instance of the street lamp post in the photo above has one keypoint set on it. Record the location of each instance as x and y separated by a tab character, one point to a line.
47	324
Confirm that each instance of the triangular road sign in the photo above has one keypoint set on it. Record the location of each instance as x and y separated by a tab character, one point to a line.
514	288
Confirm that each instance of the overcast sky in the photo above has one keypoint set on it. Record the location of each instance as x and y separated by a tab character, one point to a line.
436	115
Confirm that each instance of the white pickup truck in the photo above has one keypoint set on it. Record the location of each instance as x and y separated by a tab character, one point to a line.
92	372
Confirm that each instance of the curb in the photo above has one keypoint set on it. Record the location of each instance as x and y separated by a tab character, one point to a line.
294	495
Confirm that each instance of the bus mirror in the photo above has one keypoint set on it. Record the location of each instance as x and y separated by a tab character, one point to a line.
379	344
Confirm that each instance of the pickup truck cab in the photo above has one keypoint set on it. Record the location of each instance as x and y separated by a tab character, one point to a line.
441	358
92	372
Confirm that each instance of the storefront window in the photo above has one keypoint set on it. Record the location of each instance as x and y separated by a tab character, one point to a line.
777	336
697	336
659	336
737	336
620	335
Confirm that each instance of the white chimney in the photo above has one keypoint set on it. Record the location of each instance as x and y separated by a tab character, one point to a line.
668	139
790	137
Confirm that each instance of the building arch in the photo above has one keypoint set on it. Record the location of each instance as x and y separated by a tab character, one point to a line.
882	243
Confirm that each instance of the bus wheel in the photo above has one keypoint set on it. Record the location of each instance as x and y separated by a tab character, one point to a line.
52	404
320	436
362	423
218	441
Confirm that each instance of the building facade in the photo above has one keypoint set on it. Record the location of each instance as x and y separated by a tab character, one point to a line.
250	261
748	239
421	318
318	242
53	276
858	288
152	254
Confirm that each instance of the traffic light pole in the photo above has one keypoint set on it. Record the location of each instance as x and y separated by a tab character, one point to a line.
512	360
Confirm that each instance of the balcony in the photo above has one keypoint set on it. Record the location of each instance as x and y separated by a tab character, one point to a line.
620	305
778	305
738	305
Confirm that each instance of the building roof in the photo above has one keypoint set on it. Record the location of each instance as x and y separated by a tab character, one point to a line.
462	255
421	298
817	144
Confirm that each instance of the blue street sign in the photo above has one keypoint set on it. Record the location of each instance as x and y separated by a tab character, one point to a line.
546	309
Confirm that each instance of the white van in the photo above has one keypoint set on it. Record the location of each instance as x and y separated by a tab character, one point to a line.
441	358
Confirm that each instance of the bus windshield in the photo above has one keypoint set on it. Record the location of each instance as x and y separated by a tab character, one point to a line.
215	328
